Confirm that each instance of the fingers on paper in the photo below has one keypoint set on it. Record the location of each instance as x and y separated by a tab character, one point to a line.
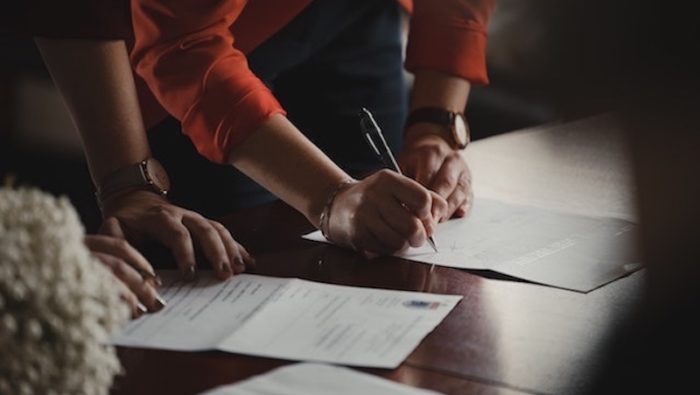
168	228
210	240
238	256
142	295
119	248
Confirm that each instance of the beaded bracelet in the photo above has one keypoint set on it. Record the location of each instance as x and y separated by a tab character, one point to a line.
324	220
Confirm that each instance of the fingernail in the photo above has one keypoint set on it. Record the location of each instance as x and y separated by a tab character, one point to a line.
251	261
226	268
240	263
160	303
190	273
154	279
142	309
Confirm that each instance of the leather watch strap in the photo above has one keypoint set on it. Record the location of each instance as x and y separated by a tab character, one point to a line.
122	179
430	115
148	174
454	127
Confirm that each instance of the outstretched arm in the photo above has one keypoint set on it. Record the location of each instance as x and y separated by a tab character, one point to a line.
186	53
447	53
102	100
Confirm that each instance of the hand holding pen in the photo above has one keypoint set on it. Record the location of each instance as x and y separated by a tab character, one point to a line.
382	213
375	138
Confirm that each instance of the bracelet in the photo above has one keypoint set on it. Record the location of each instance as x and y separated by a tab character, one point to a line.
324	220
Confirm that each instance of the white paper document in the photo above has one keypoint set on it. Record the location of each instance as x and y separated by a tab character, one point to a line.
559	249
316	379
289	318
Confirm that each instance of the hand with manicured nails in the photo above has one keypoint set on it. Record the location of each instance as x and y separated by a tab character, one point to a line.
384	213
431	161
129	266
141	215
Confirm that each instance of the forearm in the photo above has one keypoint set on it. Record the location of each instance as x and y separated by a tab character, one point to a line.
280	158
101	97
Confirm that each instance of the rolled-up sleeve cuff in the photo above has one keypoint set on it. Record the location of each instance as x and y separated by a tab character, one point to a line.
228	113
455	50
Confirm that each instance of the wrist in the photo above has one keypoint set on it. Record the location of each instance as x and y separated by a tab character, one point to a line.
124	198
430	137
147	175
325	215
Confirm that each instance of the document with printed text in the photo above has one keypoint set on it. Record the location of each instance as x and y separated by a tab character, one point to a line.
316	379
289	318
553	248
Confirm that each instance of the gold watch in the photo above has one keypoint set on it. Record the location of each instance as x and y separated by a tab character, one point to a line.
458	132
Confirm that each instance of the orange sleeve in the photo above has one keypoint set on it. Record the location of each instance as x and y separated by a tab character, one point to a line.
449	36
184	51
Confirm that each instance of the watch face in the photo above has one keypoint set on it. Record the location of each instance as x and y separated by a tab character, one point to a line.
157	175
461	131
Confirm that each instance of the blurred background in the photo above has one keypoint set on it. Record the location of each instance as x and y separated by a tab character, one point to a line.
549	61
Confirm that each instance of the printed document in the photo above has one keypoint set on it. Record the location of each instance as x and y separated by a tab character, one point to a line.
289	318
564	250
316	379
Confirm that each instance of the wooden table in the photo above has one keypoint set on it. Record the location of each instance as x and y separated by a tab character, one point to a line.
505	336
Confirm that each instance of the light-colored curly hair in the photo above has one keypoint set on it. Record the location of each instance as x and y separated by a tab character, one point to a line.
59	306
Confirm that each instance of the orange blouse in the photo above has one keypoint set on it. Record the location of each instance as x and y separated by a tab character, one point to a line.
191	54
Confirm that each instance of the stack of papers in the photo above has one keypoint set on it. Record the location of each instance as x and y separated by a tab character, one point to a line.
316	379
564	250
289	318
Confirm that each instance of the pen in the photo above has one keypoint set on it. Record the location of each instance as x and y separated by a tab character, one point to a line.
376	140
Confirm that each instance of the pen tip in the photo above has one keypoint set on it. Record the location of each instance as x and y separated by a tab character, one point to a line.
432	244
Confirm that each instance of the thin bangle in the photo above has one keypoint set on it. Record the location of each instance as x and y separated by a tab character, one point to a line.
324	220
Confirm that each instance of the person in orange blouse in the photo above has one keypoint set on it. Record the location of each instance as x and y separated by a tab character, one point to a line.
263	96
82	44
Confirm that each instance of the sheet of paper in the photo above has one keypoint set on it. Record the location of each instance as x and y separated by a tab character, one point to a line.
316	379
564	250
290	319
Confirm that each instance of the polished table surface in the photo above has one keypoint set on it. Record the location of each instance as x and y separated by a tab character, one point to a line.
506	336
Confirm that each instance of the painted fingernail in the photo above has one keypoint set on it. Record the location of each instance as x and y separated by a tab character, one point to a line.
160	303
239	263
226	268
154	279
141	309
190	273
251	261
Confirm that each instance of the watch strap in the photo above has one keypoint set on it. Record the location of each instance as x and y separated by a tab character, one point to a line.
134	176
457	135
436	115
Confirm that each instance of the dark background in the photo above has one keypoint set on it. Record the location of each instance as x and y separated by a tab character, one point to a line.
549	61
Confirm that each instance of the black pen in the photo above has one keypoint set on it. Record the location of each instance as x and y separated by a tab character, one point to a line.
376	140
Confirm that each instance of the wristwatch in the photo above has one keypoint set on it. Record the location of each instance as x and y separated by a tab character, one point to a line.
456	126
147	175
